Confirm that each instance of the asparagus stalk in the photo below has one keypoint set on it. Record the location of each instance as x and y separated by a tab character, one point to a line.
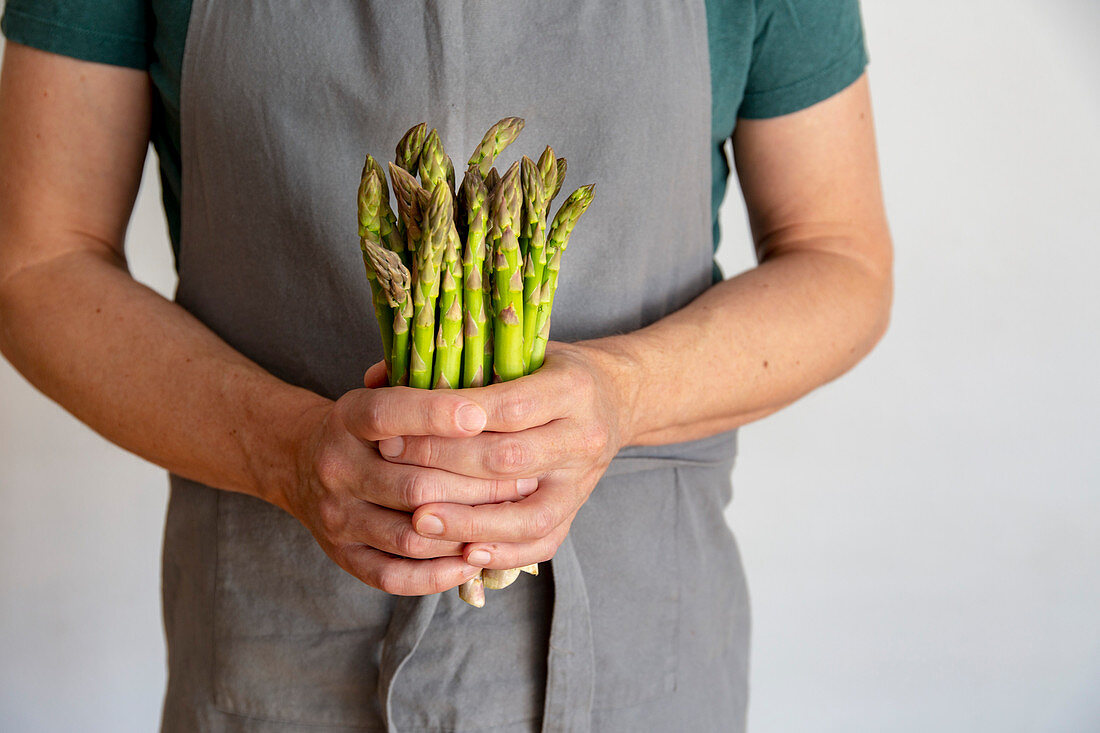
448	346
492	181
409	146
508	309
548	169
473	264
507	280
553	182
399	352
369	200
531	201
558	239
408	194
534	251
496	139
487	283
435	231
435	165
390	229
559	178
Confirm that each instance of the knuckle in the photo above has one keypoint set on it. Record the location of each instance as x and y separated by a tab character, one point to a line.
509	456
501	490
375	414
421	451
332	517
542	521
331	467
440	580
516	406
584	381
548	552
595	437
391	580
418	489
410	544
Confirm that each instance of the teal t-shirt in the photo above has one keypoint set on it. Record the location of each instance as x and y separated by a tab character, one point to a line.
767	58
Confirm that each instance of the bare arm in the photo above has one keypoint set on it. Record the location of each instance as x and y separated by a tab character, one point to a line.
73	137
147	375
816	304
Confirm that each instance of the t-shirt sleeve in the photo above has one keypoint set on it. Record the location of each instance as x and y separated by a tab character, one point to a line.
804	51
105	31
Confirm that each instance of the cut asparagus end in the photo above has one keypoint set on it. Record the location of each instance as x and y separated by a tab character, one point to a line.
498	579
473	591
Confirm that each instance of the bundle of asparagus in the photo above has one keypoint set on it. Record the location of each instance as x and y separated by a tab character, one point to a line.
463	281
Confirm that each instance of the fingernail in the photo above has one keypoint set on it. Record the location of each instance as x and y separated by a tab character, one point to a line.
471	417
479	557
429	524
391	447
526	486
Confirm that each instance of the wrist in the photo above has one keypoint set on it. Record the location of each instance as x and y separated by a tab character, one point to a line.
623	369
281	461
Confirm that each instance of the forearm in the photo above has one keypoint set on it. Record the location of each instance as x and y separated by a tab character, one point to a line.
752	344
148	376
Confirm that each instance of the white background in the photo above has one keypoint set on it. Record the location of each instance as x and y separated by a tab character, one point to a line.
921	536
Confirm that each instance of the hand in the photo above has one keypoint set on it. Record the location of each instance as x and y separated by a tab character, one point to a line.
562	425
358	505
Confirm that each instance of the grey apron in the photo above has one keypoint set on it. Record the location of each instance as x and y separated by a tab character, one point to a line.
642	623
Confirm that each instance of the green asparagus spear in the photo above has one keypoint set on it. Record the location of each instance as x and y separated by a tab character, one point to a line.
435	231
387	275
532	246
560	230
492	181
508	309
548	169
390	229
407	191
498	137
473	264
448	346
553	183
435	165
531	202
408	148
399	352
559	178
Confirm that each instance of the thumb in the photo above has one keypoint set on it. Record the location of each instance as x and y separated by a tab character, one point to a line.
375	376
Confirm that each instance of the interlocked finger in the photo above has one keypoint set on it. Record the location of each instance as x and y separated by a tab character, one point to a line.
403	577
536	517
531	452
508	555
390	531
407	488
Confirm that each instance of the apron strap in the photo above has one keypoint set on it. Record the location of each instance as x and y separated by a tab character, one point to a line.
571	663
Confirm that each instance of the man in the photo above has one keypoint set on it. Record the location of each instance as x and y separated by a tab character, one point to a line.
613	459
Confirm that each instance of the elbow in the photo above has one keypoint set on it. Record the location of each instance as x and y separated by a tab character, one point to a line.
880	272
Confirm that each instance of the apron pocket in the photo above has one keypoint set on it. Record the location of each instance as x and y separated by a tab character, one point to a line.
296	639
625	538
